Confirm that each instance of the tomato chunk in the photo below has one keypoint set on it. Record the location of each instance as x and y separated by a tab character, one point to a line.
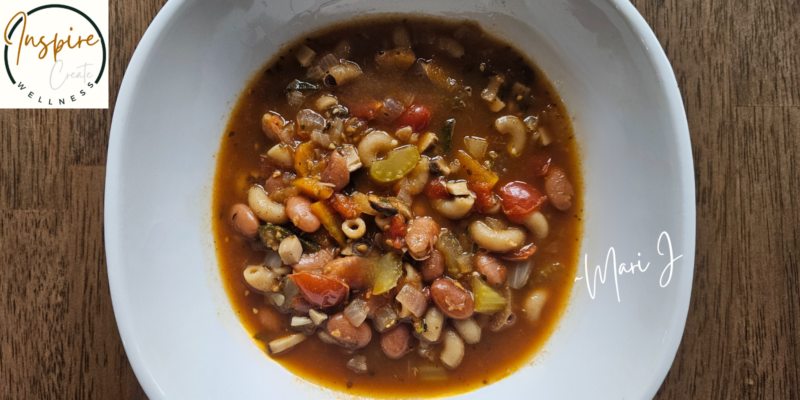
345	206
519	254
436	188
320	290
367	110
541	164
520	199
484	198
416	116
396	234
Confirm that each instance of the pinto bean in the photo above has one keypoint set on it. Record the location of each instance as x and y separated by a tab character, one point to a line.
421	236
336	172
347	334
454	301
354	271
432	268
494	270
244	220
314	262
298	209
396	342
559	190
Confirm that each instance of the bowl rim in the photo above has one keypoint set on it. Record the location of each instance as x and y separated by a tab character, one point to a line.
114	161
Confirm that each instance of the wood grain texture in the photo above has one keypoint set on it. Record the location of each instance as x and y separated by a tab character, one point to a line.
738	66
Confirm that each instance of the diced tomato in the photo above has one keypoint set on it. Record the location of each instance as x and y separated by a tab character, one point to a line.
540	164
416	116
485	199
520	199
367	110
436	189
519	254
320	290
396	234
345	206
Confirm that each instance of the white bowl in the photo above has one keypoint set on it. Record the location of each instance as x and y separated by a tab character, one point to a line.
179	330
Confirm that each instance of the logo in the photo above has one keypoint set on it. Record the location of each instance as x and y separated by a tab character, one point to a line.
55	55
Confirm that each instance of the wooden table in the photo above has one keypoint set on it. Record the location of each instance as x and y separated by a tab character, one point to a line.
738	66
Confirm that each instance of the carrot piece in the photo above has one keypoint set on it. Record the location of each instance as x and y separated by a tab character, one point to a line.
302	158
330	220
473	172
313	188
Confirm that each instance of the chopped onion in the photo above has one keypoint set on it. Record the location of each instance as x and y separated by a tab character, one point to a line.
272	259
531	123
357	364
278	299
490	93
453	351
321	139
496	105
518	89
468	329
519	275
476	146
385	318
328	62
316	316
305	56
356	312
309	121
390	110
286	343
403	194
295	98
301	321
450	46
544	135
432	373
316	72
413	300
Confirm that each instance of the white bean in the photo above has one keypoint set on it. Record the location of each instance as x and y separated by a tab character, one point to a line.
469	330
498	240
453	351
265	208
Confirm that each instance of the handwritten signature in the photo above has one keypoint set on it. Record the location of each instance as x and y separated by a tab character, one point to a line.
629	269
